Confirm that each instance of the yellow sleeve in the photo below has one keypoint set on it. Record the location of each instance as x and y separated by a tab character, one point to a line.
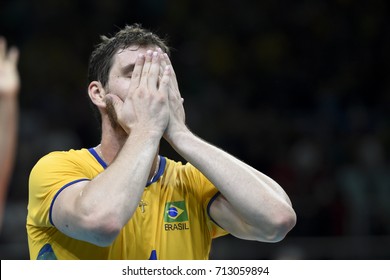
208	193
49	176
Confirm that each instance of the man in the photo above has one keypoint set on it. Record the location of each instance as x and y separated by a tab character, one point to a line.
121	199
9	111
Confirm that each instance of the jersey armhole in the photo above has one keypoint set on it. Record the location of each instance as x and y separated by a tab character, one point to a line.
56	195
208	209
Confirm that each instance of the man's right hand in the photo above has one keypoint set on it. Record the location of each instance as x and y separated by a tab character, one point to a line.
9	76
145	107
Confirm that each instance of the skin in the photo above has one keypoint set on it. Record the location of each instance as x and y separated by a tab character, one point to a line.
9	89
141	105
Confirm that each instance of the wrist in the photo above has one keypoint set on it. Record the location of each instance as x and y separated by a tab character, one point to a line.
7	97
142	133
8	103
179	137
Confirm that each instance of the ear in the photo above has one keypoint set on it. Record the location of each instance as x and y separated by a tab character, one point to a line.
96	93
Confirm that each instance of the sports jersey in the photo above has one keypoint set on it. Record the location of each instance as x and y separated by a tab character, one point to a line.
171	222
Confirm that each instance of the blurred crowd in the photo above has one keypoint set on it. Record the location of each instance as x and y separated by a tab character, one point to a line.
299	89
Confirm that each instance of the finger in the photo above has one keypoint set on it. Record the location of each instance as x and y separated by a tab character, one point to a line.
162	67
163	63
173	74
154	71
115	105
2	48
173	81
114	101
13	56
146	68
136	75
165	80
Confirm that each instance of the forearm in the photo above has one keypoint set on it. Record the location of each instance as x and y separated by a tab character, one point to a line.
9	89
254	196
114	194
8	140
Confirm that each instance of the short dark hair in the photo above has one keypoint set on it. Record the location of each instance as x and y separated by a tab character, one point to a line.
101	58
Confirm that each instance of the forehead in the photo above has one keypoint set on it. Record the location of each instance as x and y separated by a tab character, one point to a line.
128	56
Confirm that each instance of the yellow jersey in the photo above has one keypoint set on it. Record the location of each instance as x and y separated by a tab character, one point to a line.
171	222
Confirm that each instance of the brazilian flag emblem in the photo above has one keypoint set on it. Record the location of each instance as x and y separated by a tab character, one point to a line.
175	211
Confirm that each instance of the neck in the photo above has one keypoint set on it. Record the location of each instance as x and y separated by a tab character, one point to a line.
112	142
107	157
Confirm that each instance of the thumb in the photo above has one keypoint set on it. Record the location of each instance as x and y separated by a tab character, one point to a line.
114	101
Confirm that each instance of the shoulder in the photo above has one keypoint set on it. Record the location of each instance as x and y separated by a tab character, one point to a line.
59	168
66	162
58	157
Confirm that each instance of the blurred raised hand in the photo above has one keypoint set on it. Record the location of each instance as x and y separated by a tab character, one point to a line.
9	113
9	75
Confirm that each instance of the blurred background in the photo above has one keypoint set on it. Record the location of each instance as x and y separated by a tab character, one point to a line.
298	89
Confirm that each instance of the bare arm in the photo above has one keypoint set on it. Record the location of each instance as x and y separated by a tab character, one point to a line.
9	111
252	205
96	211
